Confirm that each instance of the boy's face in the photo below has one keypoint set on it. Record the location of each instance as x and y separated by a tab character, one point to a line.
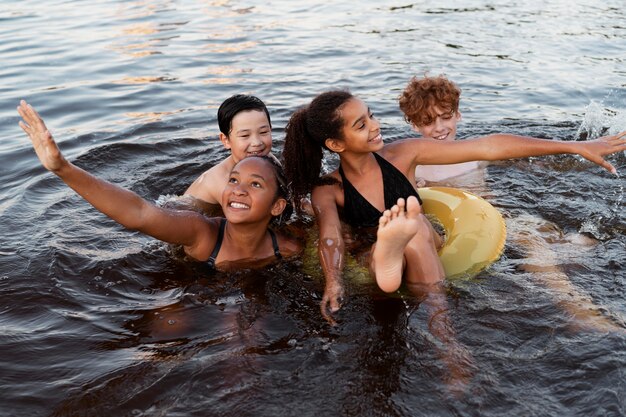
442	126
250	135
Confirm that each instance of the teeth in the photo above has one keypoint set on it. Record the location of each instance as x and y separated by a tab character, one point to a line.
237	205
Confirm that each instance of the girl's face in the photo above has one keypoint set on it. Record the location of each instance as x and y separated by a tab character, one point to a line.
361	130
250	135
250	193
440	127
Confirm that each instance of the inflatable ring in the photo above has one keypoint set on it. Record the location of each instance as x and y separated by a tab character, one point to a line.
475	230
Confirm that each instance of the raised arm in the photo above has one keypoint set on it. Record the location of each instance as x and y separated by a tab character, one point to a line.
123	206
504	146
331	248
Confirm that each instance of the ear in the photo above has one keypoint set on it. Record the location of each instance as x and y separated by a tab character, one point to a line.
458	116
335	145
278	207
225	140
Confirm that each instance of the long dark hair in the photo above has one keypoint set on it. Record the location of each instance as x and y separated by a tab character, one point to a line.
305	137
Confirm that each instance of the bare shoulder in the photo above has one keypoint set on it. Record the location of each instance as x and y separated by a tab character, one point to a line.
207	230
289	246
404	154
209	186
402	148
329	192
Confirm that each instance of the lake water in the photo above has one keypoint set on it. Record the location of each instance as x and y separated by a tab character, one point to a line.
97	320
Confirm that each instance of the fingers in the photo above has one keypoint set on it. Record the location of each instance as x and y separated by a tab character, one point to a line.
32	123
335	302
605	164
326	314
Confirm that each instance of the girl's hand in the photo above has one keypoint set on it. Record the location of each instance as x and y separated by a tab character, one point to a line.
333	298
594	150
46	148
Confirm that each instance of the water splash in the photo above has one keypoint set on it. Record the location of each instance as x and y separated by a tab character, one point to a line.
597	121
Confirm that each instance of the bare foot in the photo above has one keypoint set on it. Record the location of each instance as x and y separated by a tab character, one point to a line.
395	229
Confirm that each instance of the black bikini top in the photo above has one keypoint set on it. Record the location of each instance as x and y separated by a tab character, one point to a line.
357	211
220	237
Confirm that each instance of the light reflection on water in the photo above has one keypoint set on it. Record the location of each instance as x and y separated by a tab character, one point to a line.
99	320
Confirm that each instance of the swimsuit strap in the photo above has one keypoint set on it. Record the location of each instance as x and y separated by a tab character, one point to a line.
218	244
275	244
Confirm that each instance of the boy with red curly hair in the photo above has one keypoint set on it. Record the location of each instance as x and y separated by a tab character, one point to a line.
431	106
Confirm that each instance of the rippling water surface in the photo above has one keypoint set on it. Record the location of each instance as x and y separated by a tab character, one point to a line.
97	320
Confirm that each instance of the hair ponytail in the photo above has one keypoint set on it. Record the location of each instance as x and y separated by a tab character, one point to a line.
302	157
305	137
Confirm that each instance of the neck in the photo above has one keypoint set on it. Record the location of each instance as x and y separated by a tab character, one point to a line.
248	238
358	163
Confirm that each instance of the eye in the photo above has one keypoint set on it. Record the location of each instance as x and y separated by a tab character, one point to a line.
266	132
232	180
446	116
256	184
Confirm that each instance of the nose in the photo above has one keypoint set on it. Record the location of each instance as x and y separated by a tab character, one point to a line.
240	189
375	123
256	140
438	123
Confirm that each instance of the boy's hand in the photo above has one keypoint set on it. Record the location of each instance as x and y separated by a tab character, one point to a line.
43	143
594	150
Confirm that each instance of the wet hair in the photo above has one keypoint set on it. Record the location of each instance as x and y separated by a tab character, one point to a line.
282	189
421	96
305	137
234	105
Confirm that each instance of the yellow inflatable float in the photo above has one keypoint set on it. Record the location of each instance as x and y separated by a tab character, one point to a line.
475	235
475	230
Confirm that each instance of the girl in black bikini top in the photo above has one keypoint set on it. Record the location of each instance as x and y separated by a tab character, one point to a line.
220	237
358	212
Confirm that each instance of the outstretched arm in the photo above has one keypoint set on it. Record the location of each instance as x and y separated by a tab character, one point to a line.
123	206
331	248
503	146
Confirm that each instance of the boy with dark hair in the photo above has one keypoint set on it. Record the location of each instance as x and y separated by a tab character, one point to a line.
245	129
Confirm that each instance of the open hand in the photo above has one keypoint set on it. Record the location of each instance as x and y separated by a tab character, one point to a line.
594	150
46	148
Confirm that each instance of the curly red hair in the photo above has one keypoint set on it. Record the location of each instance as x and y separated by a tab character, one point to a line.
422	95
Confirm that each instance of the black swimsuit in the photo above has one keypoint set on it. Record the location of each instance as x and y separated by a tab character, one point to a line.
357	211
220	237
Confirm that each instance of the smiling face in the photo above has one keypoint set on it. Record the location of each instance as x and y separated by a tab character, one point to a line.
251	194
361	130
250	135
441	125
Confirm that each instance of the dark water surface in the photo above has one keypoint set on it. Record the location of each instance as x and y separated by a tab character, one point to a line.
97	320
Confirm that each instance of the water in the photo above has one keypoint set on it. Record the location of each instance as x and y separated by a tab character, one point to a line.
97	320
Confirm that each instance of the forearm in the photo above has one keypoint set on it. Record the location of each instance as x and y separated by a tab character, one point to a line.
488	148
504	146
331	252
123	206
